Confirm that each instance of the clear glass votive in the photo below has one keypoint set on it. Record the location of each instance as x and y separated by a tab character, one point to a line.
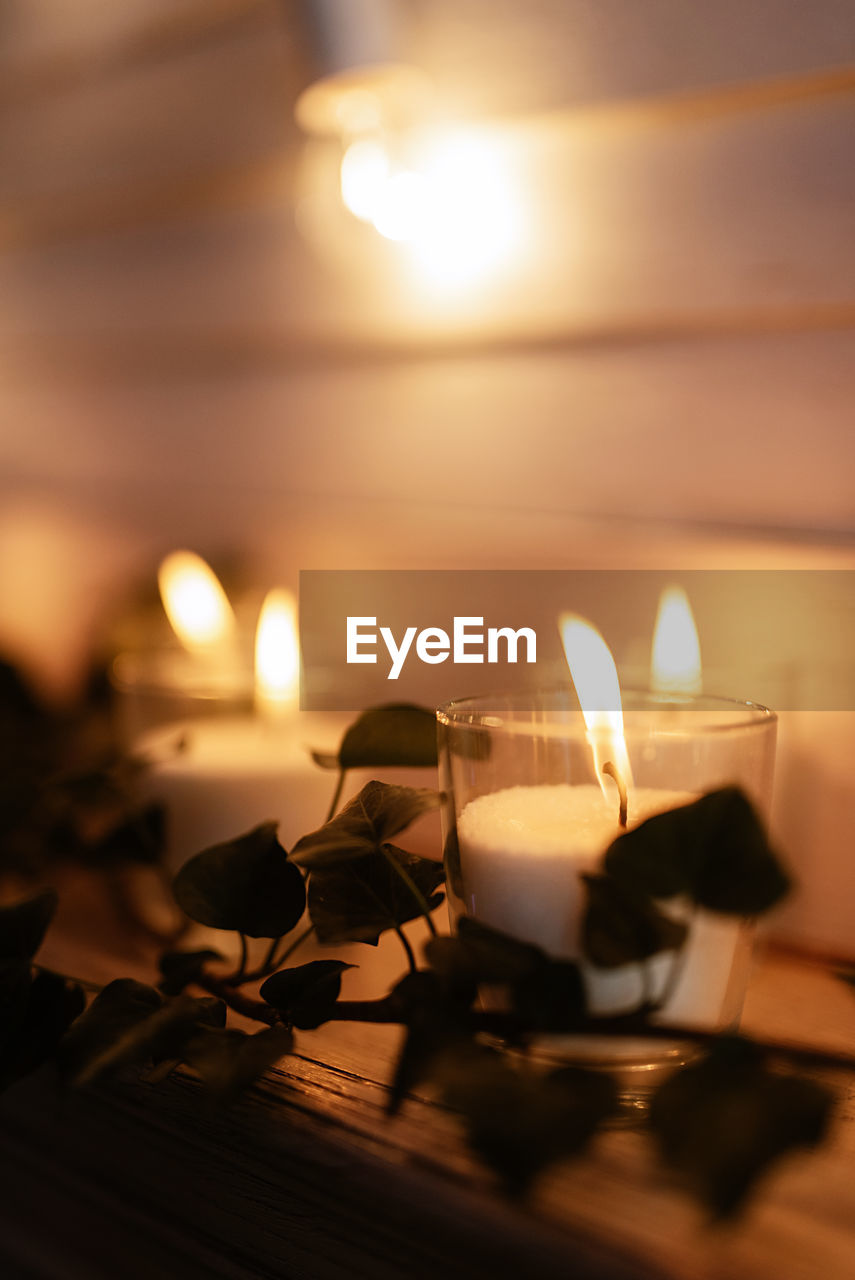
168	685
526	816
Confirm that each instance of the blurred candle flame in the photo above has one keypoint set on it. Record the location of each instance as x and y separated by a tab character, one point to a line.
675	664
594	674
277	655
195	603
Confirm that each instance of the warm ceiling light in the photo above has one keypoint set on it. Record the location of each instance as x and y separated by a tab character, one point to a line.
195	603
675	664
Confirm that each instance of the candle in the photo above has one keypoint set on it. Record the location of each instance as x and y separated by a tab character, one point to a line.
522	852
220	776
538	793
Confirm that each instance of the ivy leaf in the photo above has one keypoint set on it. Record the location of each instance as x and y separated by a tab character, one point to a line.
370	894
305	994
725	1120
16	976
23	925
181	969
715	850
52	1004
520	1123
247	884
551	999
161	1035
436	1015
325	759
118	1007
369	820
479	953
140	838
620	924
229	1061
395	735
545	994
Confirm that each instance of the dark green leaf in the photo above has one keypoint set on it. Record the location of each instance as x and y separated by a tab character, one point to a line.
358	901
715	850
305	994
521	1122
621	924
550	999
120	1006
16	976
139	838
162	1035
52	1005
182	968
325	759
229	1061
479	953
436	1016
390	736
369	820
247	884
23	925
723	1121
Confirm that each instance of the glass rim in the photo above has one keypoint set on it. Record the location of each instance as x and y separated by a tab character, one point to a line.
476	711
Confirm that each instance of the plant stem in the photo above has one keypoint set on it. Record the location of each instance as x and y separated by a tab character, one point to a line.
244	955
411	885
390	1010
258	1010
405	943
339	787
289	950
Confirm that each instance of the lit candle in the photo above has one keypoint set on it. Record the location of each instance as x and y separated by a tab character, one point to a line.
219	776
524	848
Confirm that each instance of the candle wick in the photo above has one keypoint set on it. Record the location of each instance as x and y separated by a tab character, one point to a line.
610	770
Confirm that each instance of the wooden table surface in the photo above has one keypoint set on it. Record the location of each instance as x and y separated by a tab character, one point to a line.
307	1177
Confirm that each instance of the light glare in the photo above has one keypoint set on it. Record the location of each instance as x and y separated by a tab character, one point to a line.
453	203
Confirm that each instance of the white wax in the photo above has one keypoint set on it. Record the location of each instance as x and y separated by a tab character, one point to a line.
522	851
235	772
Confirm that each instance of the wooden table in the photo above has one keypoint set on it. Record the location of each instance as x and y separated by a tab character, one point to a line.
307	1177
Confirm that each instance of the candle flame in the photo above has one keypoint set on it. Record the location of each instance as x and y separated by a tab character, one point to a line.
277	654
195	603
675	664
594	674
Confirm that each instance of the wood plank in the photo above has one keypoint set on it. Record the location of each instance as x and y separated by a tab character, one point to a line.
677	430
229	98
551	52
287	1180
711	225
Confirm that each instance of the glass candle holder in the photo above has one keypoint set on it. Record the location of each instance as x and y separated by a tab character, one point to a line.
526	816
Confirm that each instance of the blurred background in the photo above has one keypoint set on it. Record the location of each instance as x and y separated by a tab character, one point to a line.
429	284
